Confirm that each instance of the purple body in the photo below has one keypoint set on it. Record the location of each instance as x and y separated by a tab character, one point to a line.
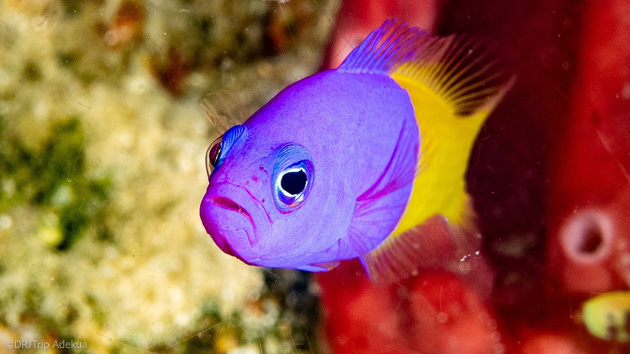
347	127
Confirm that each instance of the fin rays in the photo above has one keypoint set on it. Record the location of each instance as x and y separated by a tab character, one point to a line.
433	245
385	48
460	71
456	68
223	110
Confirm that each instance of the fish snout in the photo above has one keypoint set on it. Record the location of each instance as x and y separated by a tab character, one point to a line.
234	219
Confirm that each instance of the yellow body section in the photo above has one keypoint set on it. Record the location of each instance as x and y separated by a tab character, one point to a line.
447	139
453	85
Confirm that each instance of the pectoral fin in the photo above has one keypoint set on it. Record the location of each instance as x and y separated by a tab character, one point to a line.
378	210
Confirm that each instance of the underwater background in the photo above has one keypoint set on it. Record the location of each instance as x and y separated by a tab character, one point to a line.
103	130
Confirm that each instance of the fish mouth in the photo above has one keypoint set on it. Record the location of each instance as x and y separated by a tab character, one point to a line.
229	204
236	220
249	229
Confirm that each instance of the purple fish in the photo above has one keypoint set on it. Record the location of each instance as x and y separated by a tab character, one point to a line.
345	159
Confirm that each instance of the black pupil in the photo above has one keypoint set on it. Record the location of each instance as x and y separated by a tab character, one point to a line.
214	154
293	182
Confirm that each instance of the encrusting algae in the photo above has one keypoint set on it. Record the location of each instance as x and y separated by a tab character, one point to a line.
102	137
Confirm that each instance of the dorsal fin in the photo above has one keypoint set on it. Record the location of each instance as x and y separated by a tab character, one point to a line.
461	72
455	68
385	48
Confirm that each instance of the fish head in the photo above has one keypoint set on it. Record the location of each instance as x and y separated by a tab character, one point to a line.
273	198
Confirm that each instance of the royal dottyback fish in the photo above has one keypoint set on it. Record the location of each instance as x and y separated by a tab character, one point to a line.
353	162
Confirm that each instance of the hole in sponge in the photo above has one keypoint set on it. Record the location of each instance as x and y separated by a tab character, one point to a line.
588	236
591	239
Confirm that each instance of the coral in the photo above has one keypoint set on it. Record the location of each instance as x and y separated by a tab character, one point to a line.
102	169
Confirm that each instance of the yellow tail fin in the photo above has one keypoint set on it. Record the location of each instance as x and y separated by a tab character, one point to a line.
453	90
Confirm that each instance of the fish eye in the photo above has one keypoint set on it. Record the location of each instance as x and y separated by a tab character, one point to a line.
293	177
292	185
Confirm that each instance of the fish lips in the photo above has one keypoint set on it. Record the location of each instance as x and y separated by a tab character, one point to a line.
235	220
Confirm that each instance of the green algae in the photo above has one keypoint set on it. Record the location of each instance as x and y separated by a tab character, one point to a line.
53	179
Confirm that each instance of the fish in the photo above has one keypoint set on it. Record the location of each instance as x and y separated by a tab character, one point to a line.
363	161
607	316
